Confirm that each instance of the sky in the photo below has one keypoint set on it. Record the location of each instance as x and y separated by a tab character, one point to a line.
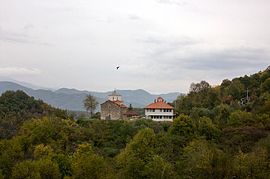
160	45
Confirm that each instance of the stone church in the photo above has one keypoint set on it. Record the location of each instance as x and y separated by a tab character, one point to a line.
113	108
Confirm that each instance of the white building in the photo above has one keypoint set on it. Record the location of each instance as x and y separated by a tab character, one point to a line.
159	111
115	96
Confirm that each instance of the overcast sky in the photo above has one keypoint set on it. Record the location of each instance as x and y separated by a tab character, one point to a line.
161	45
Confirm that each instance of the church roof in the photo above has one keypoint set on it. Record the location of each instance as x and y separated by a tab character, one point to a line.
131	113
159	104
118	103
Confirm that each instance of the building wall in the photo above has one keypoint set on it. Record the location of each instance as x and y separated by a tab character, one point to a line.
111	111
164	115
115	98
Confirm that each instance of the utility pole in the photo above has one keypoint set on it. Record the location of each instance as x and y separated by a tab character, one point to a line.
245	99
247	96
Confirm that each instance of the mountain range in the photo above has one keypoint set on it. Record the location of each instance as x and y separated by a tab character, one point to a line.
72	99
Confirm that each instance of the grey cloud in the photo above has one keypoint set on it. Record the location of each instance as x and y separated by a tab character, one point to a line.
186	52
230	59
19	71
28	26
162	45
173	42
182	59
134	17
173	2
15	37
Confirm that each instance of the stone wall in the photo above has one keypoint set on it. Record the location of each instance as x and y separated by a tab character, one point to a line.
111	111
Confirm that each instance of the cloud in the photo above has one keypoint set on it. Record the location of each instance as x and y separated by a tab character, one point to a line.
28	26
187	59
227	59
6	71
15	37
173	2
134	17
158	46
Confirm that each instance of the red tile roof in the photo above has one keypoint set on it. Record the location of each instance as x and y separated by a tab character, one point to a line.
120	103
131	113
159	104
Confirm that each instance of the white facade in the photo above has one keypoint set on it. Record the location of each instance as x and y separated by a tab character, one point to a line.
115	97
159	114
159	110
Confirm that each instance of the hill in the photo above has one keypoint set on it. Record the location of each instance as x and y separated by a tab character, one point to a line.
220	132
17	107
248	93
71	99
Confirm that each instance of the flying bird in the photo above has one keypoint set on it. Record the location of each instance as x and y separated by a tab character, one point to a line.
117	67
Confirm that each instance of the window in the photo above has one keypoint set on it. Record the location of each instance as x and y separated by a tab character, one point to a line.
167	110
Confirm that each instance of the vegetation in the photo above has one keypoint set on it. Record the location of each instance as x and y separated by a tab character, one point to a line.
90	104
17	107
220	133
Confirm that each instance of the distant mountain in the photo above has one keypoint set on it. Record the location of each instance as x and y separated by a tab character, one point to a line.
25	84
72	99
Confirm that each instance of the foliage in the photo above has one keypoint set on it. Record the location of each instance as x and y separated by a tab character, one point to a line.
90	104
85	164
200	159
17	107
219	132
26	169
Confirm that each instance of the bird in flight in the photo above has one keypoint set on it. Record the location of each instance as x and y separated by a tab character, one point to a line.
117	67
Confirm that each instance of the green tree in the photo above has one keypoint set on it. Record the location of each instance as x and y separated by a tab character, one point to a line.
90	104
64	164
208	129
200	159
266	85
199	87
1	175
48	169
11	151
17	107
85	164
42	151
26	170
158	168
239	118
183	127
138	159
60	134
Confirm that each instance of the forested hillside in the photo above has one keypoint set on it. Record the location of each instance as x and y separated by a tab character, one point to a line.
220	132
17	107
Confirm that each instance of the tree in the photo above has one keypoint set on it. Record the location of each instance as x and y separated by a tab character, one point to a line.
90	104
48	169
200	159
208	129
26	169
85	164
17	107
266	85
238	118
138	159
198	87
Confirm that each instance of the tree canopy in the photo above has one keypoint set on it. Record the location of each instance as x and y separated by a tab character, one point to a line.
214	135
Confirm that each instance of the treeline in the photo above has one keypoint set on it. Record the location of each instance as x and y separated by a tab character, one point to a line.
17	107
219	133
